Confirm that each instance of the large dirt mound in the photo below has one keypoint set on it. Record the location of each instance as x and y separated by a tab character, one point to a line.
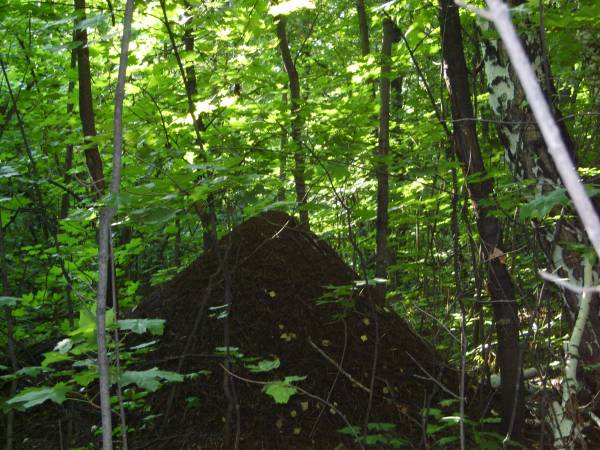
282	307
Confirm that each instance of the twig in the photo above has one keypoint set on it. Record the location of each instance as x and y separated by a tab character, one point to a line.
432	378
567	285
339	367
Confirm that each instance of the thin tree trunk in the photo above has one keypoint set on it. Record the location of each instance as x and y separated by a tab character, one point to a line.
297	122
489	227
206	213
88	121
528	158
86	109
381	166
10	415
283	156
363	27
106	216
65	201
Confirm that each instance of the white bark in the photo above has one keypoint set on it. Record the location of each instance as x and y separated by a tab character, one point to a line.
564	426
498	12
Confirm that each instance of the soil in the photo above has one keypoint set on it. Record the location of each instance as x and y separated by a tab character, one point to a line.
279	282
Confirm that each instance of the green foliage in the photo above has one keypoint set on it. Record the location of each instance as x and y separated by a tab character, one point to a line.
282	390
264	366
140	326
31	397
247	165
378	434
150	379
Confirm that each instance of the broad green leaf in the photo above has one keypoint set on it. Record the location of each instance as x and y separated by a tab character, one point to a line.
281	392
383	426
541	205
150	379
31	371
139	326
34	396
85	377
54	357
264	366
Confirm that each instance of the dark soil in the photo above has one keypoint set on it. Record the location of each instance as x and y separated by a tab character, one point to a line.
276	275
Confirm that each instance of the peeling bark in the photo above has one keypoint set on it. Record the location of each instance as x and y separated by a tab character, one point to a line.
528	158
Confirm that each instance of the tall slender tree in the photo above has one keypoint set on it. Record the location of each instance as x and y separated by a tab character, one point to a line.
481	191
383	149
296	111
86	105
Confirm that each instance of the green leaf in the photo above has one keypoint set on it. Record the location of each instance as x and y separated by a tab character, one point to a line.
541	205
150	379
264	366
383	426
281	392
32	371
139	326
54	357
8	301
446	440
85	377
31	397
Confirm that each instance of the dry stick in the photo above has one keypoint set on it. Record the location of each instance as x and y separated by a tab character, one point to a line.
331	389
565	284
106	216
432	378
113	285
338	366
228	386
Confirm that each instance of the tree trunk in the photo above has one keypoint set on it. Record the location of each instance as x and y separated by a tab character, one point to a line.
528	158
207	211
65	203
381	168
88	121
104	254
363	27
12	355
489	227
86	109
296	134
